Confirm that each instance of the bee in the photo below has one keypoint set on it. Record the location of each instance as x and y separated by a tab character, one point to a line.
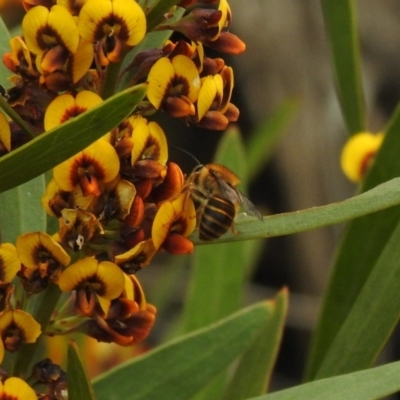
212	188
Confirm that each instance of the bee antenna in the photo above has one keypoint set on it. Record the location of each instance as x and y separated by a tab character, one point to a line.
186	152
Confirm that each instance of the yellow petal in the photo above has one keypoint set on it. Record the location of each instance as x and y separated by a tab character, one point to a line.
140	136
100	160
16	388
207	94
9	262
185	69
133	21
30	244
63	23
65	106
5	132
33	21
113	276
106	277
358	153
77	273
91	16
56	111
27	324
160	78
81	60
44	29
157	136
228	81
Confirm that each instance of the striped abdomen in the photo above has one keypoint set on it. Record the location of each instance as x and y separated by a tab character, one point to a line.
216	218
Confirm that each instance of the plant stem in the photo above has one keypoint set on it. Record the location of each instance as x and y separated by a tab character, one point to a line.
15	117
110	80
42	315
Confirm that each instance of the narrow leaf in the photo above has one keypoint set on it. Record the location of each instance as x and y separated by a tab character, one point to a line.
79	386
21	210
340	21
58	144
181	368
4	48
253	373
371	384
372	318
381	197
361	247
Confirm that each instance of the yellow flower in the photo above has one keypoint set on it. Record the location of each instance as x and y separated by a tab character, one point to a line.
66	106
45	30
91	167
113	25
174	85
174	222
17	327
358	153
43	258
95	282
137	257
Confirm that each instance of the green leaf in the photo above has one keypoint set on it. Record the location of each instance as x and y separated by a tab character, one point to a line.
363	242
21	210
262	142
372	318
181	368
218	271
79	386
4	48
254	370
381	197
58	144
340	21
371	384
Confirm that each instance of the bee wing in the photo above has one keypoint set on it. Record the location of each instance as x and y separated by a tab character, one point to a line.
248	205
228	191
236	196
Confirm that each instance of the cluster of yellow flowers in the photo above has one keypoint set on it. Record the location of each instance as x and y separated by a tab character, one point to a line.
119	201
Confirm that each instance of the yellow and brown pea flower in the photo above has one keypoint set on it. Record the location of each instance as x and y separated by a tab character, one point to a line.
214	109
51	34
94	282
20	60
67	106
358	154
114	25
125	331
16	328
174	85
174	222
91	167
9	266
42	258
